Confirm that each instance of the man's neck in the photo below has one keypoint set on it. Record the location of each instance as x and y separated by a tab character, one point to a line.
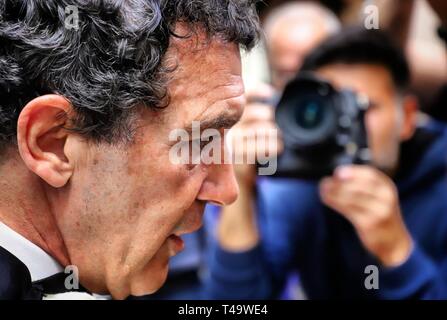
24	207
39	263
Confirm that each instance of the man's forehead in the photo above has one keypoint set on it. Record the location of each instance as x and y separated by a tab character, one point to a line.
197	57
206	85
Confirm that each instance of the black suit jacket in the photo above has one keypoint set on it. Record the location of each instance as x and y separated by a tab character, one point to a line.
15	279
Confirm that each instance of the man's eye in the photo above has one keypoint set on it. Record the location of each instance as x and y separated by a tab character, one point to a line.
203	144
198	144
204	141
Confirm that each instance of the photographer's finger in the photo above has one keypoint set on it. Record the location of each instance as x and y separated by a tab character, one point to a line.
260	92
346	194
258	112
364	173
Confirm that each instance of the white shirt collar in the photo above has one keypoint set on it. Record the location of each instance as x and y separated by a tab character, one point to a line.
39	263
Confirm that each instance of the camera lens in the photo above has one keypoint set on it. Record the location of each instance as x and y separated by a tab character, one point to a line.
309	115
307	120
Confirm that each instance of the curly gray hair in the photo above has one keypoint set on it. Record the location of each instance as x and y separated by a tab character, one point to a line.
111	63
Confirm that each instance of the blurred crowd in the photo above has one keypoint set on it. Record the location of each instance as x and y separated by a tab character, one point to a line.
291	238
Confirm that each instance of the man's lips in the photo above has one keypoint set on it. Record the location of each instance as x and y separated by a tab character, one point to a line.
177	243
194	223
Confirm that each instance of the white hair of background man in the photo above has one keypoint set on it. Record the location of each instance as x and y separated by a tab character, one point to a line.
303	12
306	15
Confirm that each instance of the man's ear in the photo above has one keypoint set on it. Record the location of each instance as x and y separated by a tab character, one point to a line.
41	138
410	107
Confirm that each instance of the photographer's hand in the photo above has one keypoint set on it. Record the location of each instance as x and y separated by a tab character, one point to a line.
369	200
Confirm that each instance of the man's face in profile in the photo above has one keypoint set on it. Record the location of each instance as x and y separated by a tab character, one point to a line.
125	206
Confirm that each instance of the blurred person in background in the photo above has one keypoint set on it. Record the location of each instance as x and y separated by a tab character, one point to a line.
412	24
390	214
439	107
291	32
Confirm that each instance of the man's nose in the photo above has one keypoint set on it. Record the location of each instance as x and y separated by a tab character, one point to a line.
220	187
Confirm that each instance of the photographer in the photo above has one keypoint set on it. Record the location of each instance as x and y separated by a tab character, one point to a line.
390	214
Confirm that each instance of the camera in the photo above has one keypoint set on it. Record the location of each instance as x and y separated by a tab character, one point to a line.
322	128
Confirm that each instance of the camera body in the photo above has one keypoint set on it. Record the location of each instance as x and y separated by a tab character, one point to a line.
322	128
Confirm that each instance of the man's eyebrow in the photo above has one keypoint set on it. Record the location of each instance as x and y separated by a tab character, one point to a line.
223	121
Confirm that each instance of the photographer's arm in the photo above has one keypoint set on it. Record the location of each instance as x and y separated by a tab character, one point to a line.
237	266
281	211
419	277
237	229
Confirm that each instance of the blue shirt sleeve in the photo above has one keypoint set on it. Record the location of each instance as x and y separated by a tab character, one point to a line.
417	278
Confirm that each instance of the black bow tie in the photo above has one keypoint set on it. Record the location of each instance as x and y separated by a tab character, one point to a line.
54	285
15	281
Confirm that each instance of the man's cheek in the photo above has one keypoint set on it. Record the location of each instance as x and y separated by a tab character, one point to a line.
194	181
377	125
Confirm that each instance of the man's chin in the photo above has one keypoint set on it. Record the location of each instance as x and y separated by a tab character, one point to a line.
153	277
149	281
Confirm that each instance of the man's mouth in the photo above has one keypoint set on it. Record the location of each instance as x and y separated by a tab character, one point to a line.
176	244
